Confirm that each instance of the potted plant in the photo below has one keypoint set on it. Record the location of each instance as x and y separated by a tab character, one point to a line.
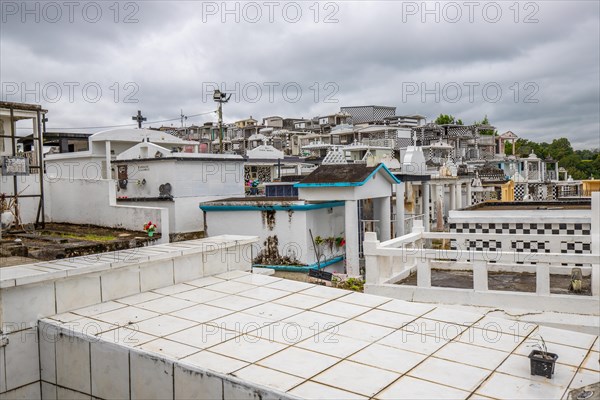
542	362
150	228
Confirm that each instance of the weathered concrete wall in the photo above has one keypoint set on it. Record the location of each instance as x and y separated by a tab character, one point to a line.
81	201
290	228
81	365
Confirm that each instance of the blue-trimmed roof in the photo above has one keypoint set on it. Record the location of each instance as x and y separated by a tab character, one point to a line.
269	207
333	179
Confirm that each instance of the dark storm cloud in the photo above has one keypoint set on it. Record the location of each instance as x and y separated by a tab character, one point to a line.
376	53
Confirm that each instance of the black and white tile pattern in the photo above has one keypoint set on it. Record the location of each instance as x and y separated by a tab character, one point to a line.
515	228
575	247
533	246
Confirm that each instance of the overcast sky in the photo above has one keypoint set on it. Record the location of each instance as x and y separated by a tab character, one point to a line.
531	67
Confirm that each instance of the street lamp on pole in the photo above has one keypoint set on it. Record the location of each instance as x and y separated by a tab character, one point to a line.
220	98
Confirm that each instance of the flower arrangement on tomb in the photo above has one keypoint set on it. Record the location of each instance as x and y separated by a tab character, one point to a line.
331	241
150	228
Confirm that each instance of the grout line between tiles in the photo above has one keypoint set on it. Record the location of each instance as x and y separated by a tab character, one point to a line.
425	359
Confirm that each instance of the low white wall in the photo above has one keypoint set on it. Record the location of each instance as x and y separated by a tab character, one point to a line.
290	227
184	214
80	201
521	216
77	165
528	302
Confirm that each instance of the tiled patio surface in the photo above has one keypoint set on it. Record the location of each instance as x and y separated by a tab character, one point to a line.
317	342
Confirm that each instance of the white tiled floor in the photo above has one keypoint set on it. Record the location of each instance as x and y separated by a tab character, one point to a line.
209	280
164	325
357	378
104	307
333	345
300	300
299	362
126	336
553	335
288	285
585	377
592	362
505	326
202	336
386	318
275	312
471	355
406	307
269	377
367	300
249	349
517	365
168	347
317	391
231	287
180	287
362	330
341	309
409	388
138	298
284	333
263	293
316	342
438	329
166	304
200	295
235	303
126	316
389	358
491	339
507	387
256	279
201	313
315	320
566	354
214	362
459	376
240	322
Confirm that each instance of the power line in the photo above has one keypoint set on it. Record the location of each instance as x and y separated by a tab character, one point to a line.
125	125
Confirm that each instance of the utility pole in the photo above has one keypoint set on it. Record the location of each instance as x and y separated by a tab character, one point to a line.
183	118
139	119
220	98
220	127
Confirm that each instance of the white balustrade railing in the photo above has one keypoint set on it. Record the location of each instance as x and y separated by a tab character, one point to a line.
389	262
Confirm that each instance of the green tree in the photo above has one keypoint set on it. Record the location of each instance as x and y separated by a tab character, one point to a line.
596	166
485	122
447	119
560	148
524	148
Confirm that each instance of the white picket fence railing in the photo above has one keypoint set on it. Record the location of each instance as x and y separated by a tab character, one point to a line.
389	262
